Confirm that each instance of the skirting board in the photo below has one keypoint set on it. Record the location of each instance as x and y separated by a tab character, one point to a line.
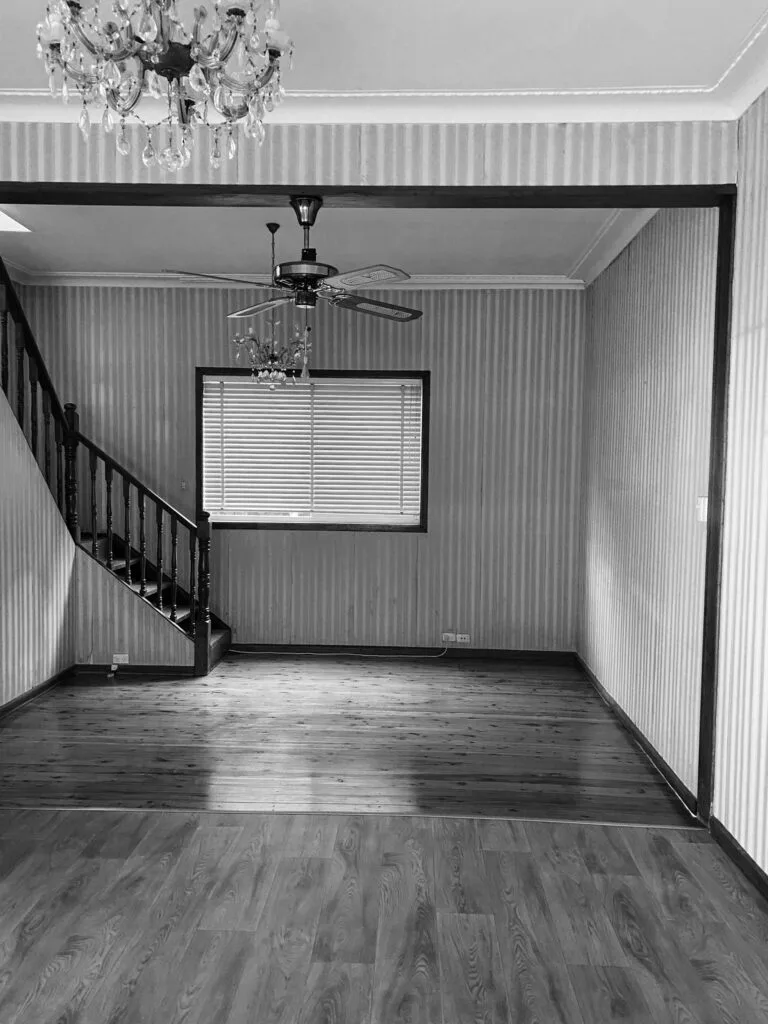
673	780
731	846
567	659
132	671
18	702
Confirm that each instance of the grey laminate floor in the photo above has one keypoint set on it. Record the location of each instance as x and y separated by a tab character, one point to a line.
138	917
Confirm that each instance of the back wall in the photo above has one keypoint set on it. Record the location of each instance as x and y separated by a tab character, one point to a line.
500	560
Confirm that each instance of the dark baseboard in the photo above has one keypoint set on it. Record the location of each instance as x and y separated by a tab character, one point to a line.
131	671
25	698
567	659
671	777
748	867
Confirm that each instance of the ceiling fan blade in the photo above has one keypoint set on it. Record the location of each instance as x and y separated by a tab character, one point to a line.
218	277
367	276
260	307
361	304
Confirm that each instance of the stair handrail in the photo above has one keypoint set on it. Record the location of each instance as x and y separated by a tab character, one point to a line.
33	352
127	475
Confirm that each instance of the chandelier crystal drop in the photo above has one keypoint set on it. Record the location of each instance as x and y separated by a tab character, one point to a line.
223	71
271	362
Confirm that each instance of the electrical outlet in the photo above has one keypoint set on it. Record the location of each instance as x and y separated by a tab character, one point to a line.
462	638
119	659
448	638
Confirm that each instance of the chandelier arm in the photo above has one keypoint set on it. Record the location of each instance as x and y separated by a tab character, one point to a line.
204	57
82	79
264	79
93	48
124	107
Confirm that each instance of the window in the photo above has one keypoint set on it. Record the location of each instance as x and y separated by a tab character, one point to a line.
346	450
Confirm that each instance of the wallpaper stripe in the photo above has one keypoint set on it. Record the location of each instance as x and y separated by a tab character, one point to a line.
669	153
500	558
37	564
650	325
741	760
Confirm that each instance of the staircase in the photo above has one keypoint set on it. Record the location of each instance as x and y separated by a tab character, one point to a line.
153	549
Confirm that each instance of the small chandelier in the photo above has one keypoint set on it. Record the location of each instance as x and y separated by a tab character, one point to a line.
223	72
271	362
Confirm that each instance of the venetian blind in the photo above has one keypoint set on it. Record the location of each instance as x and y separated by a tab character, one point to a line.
341	450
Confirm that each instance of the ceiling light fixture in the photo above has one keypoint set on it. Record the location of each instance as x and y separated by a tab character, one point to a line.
223	72
7	223
271	362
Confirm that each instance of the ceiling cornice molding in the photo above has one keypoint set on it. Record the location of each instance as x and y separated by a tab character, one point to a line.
492	107
620	227
427	282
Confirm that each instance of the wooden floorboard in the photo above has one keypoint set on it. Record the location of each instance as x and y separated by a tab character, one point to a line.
230	917
302	734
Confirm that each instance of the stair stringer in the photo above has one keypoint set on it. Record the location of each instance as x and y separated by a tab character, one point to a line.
110	619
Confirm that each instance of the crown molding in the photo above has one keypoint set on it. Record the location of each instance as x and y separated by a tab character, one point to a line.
614	236
429	282
501	107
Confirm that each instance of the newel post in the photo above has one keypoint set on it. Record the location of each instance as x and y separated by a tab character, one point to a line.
70	470
203	617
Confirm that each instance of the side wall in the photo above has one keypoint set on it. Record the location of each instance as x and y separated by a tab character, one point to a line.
650	323
741	755
37	566
109	620
500	560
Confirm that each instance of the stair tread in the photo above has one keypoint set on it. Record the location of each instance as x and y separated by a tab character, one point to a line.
120	563
151	587
182	611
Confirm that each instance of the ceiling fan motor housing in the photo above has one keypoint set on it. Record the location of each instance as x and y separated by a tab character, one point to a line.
304	277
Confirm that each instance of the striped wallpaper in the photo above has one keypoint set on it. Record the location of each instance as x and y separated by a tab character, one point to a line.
679	153
741	761
500	559
109	620
649	349
37	565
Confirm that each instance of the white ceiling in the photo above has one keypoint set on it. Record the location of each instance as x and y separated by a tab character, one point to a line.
412	60
77	243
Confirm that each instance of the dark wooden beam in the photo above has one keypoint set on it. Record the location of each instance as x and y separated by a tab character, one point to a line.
717	460
347	196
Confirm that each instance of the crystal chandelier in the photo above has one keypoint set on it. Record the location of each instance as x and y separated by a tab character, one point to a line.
271	362
223	72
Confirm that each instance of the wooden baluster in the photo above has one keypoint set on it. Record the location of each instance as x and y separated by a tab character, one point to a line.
71	441
192	582
33	427
203	631
4	357
20	380
127	524
47	435
174	565
58	427
93	464
160	557
108	485
142	501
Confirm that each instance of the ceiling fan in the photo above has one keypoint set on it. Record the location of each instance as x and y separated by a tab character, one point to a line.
307	280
